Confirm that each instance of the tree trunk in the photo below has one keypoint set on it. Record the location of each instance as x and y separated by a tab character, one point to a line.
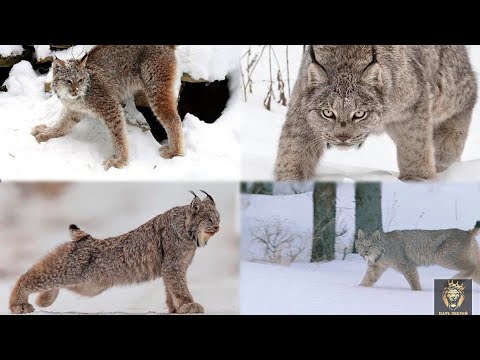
261	188
368	207
324	212
243	188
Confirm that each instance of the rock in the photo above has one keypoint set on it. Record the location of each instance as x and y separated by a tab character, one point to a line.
60	46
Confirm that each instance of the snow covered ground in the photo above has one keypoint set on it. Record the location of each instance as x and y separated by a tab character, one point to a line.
375	161
32	223
332	288
212	150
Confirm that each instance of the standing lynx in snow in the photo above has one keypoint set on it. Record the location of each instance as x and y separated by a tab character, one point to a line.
98	83
422	96
162	247
405	250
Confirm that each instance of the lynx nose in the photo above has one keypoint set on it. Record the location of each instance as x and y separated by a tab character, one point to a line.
216	227
343	138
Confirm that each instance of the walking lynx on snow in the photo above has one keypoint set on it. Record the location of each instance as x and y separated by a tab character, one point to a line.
97	84
422	96
162	247
405	250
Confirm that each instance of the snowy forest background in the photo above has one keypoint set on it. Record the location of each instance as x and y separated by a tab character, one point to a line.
311	228
286	222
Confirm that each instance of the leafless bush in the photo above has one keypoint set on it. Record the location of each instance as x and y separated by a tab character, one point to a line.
275	242
250	63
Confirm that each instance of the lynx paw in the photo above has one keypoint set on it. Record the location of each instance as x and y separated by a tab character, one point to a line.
411	178
191	308
38	129
21	309
366	284
40	132
115	162
168	153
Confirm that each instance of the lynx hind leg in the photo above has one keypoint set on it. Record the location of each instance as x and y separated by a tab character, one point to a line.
89	290
465	274
52	272
46	298
159	88
449	139
413	279
373	274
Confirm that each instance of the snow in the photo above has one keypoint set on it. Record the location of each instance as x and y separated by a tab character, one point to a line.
208	62
375	161
42	51
332	288
109	209
11	50
293	212
212	150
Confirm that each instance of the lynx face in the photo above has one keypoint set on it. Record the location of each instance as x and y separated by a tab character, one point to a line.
70	78
344	100
204	219
368	246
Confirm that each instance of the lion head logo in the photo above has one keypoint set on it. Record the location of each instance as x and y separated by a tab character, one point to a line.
453	295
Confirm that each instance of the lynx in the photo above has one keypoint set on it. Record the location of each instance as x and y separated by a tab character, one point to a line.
97	84
405	250
162	247
422	96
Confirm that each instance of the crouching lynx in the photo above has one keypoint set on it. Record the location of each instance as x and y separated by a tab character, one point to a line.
405	250
162	247
422	96
96	84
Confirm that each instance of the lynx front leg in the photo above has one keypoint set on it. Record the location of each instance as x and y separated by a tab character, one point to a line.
374	272
449	139
176	284
298	154
170	305
110	111
159	85
415	151
66	123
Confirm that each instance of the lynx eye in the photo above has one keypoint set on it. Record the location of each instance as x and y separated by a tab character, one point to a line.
69	82
80	81
328	114
359	115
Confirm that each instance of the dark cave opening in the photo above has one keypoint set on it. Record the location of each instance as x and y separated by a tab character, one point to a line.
204	100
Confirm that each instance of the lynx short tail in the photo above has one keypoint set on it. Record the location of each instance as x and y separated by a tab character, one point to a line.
76	233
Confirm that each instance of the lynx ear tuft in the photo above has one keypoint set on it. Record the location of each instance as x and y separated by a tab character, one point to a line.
56	63
208	198
372	75
196	202
316	76
376	235
83	60
360	234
